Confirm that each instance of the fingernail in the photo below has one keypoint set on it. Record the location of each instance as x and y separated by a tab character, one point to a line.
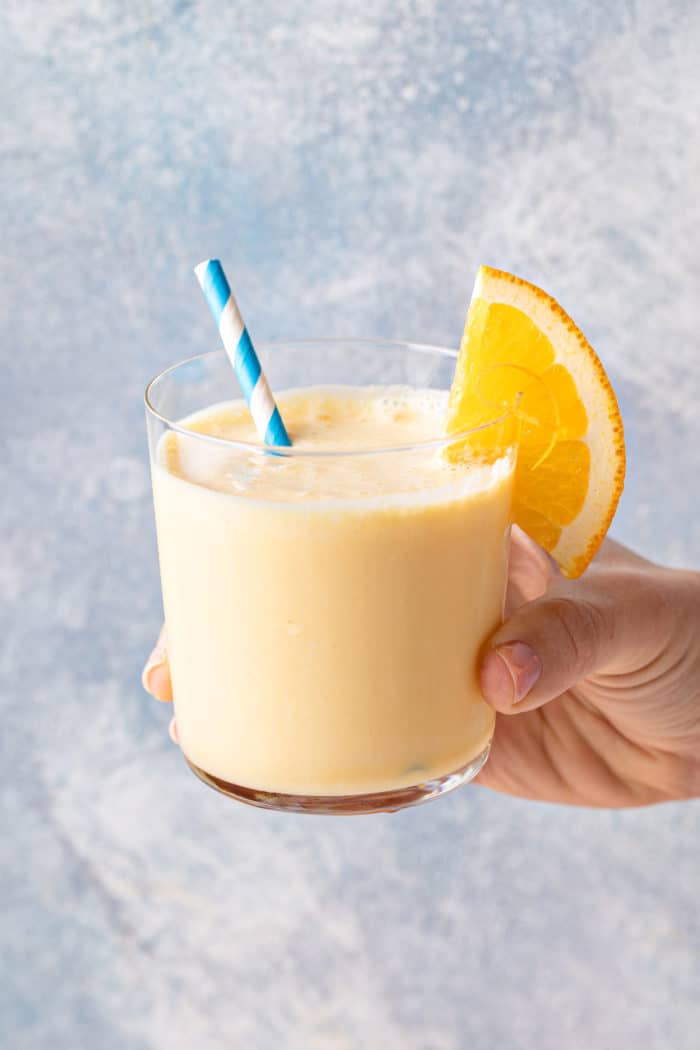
150	676
523	665
496	680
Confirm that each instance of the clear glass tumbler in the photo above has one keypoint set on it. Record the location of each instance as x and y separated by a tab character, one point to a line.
323	647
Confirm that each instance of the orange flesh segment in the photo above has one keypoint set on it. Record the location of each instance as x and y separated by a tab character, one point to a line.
532	360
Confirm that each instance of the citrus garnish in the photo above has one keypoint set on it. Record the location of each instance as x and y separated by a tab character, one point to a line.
521	353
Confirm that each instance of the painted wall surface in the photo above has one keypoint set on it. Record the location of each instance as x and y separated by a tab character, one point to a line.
351	164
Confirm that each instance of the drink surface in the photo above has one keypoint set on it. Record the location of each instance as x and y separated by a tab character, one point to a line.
327	420
325	612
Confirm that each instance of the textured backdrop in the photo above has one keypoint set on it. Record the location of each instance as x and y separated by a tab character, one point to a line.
351	163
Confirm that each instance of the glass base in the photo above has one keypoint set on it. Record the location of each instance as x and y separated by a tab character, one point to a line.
347	805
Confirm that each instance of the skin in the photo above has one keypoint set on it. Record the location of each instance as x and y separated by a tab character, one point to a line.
596	682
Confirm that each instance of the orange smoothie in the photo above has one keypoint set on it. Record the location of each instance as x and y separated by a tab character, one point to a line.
325	610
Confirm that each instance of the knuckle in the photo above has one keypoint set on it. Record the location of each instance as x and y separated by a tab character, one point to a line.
581	627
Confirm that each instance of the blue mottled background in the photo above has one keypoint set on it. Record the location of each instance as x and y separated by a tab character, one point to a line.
351	163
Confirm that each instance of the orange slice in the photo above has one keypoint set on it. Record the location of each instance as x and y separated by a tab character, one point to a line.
521	352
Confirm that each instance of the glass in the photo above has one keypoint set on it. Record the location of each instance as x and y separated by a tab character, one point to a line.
323	642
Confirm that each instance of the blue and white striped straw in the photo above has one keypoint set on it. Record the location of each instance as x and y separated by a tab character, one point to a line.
239	347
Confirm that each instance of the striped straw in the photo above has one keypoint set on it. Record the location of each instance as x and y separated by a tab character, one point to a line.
239	347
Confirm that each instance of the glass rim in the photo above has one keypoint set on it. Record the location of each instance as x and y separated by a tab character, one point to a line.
290	452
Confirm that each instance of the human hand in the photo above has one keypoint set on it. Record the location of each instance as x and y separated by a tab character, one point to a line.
155	676
596	682
608	697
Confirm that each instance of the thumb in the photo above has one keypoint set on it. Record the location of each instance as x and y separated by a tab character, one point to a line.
551	644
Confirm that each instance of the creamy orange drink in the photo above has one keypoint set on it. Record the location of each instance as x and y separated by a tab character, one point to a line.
325	612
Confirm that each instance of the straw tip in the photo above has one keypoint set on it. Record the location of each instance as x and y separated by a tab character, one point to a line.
201	268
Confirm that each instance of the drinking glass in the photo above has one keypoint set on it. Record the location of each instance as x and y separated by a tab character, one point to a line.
323	644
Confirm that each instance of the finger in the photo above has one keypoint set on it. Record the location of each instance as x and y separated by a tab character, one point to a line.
156	674
530	570
577	629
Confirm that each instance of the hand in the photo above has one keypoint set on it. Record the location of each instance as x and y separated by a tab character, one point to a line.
155	676
596	682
